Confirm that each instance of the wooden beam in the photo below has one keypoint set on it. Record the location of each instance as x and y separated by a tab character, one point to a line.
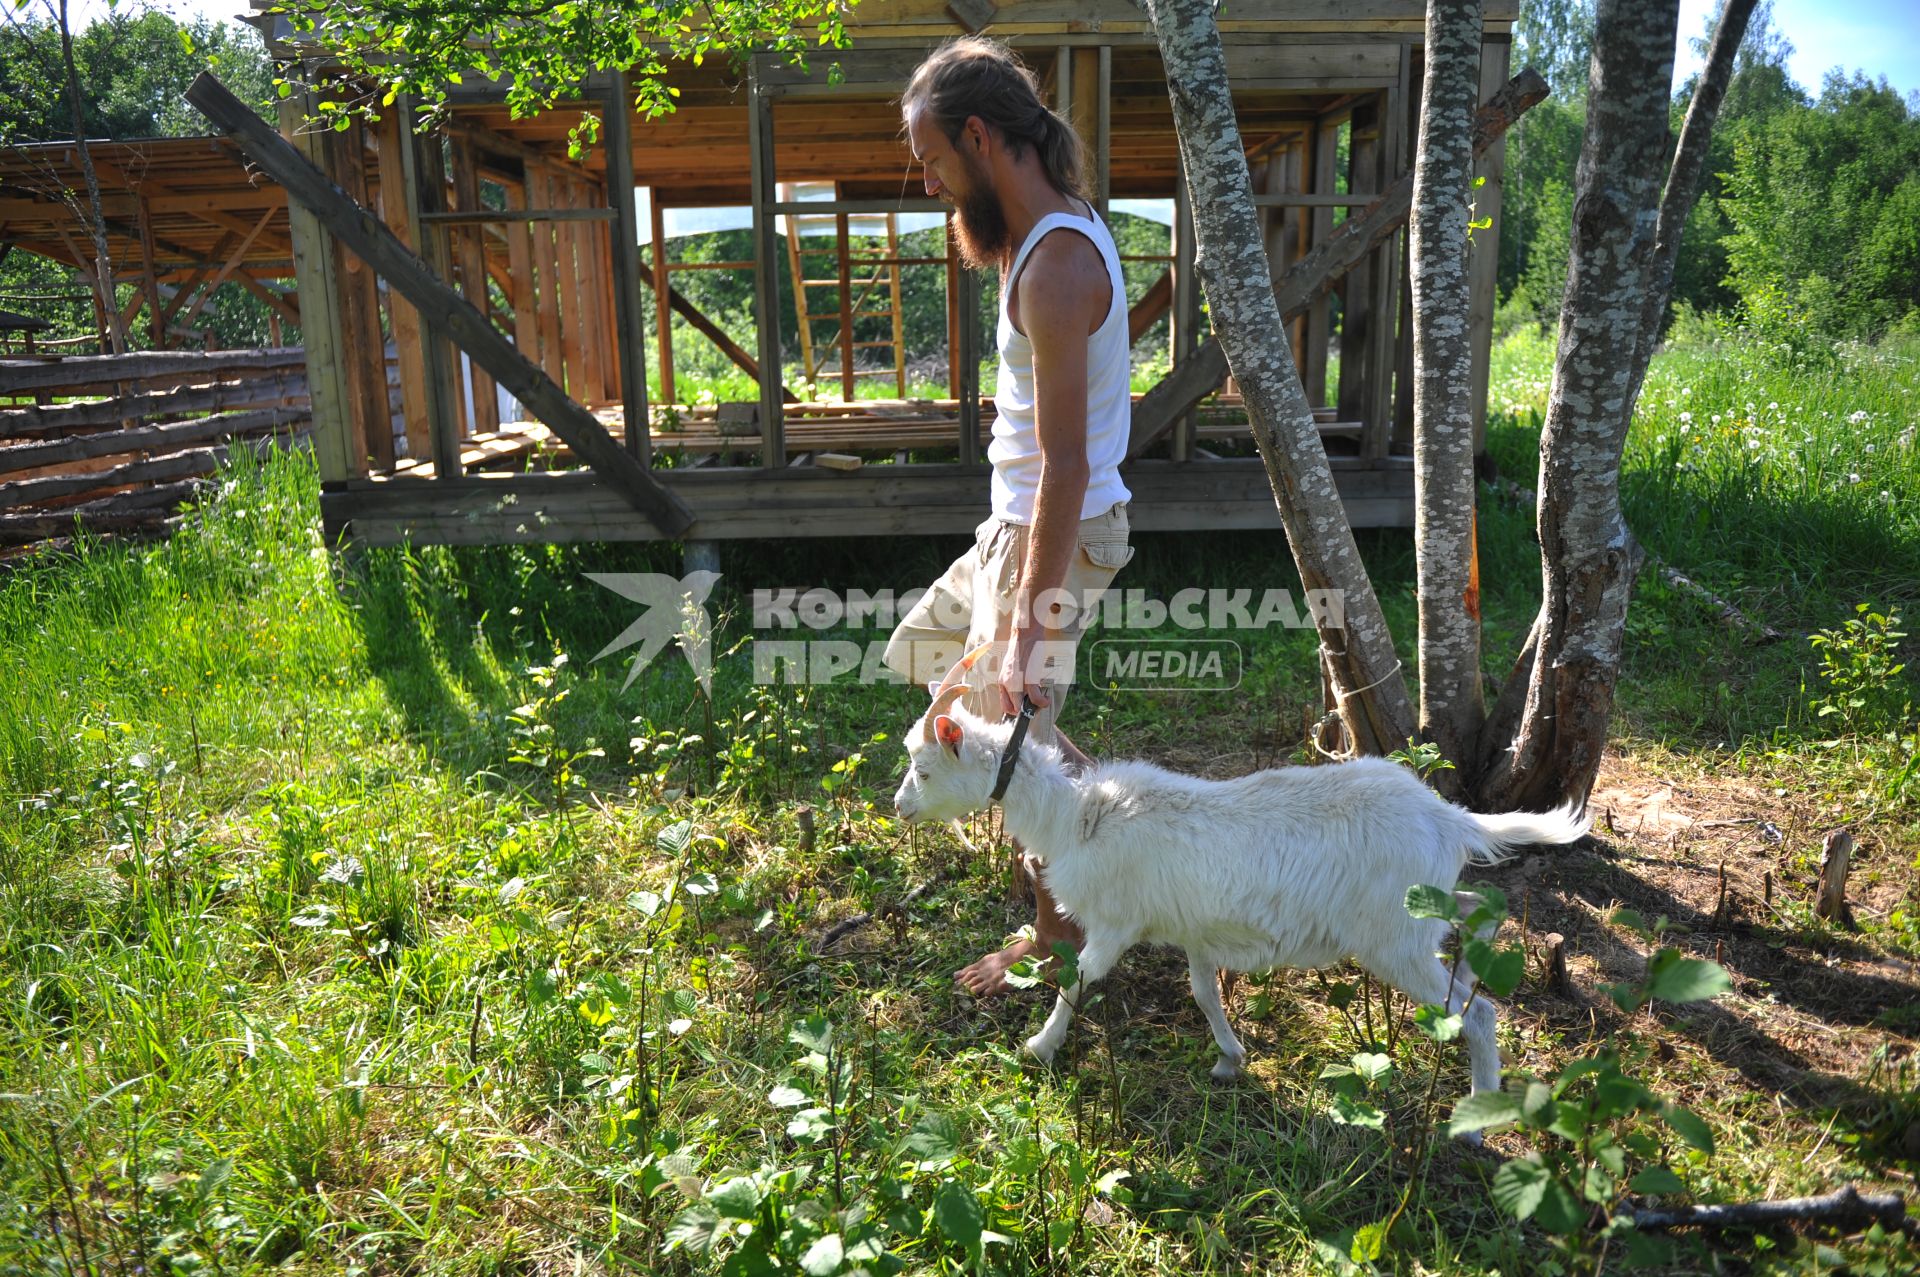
662	317
150	280
99	414
471	259
81	374
110	443
362	350
364	233
718	336
403	319
1156	411
1155	302
524	293
628	316
227	269
424	179
766	266
973	16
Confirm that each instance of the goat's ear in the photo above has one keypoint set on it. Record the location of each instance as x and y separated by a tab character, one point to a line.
947	732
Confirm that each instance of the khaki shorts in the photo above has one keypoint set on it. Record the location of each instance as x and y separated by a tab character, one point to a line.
972	603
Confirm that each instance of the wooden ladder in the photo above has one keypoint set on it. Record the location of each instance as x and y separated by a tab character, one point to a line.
866	285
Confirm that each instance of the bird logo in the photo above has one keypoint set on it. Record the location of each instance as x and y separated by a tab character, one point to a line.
671	608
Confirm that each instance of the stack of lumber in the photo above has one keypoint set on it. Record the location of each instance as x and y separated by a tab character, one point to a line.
114	443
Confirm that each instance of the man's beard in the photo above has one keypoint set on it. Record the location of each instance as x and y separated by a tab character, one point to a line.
980	229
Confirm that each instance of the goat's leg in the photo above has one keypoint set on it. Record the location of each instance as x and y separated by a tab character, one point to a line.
1206	992
1096	960
1426	979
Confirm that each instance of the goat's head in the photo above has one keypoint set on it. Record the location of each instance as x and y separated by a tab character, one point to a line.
951	755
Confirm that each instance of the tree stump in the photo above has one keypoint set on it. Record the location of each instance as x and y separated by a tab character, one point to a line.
1553	965
1832	902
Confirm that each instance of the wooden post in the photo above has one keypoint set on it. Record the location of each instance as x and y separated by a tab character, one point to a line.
1356	290
1184	322
844	258
662	314
313	260
546	251
423	175
766	264
362	348
624	241
473	277
1483	255
954	270
396	209
576	311
1326	138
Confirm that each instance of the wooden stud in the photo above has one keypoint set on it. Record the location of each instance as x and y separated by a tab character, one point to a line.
844	262
313	269
662	317
362	348
571	297
150	281
1184	328
396	209
766	264
546	252
521	271
470	259
624	243
1319	316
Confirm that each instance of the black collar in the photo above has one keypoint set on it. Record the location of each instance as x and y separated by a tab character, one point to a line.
1007	760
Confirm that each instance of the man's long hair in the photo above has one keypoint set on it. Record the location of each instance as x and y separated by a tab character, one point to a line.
977	76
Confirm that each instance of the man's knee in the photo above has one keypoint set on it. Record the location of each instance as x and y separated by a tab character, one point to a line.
919	656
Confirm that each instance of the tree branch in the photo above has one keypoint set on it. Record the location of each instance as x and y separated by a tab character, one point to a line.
1844	1206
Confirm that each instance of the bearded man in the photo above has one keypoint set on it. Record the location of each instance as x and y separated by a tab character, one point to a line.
1014	173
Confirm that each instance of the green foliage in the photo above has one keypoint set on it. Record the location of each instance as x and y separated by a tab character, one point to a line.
1860	669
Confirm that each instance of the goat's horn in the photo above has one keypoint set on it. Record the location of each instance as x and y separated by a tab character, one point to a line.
957	672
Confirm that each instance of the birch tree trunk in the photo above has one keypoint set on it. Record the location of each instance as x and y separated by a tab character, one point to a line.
1451	705
1357	648
1559	702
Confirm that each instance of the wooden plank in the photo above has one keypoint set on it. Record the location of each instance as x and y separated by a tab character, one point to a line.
1155	302
1155	412
147	369
718	336
1319	333
227	268
150	280
425	178
313	259
844	260
493	216
473	331
628	312
1184	329
570	296
100	414
362	351
662	315
403	320
546	251
172	466
968	391
766	264
144	438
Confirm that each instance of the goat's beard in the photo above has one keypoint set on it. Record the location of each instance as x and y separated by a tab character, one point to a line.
980	230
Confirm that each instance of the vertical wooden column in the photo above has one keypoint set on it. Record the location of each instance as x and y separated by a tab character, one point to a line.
1403	330
472	260
662	305
1326	141
1084	93
1183	322
1356	290
362	346
424	180
313	257
402	318
1383	349
843	257
1483	256
766	264
624	241
968	391
954	270
575	312
546	253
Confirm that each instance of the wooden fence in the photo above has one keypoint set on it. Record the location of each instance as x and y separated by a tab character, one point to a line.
115	443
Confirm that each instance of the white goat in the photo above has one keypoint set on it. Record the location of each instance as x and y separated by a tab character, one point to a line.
1297	867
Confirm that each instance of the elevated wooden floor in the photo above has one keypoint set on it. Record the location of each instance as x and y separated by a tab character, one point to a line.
887	499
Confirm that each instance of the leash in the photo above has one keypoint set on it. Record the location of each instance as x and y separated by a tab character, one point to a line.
1009	759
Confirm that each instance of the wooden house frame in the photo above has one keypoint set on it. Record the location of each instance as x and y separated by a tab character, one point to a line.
540	287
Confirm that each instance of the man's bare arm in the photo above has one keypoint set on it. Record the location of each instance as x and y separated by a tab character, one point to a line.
1064	294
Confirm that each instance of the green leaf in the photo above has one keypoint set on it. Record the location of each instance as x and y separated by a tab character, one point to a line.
957	1211
1598	1185
1369	1243
1372	1066
824	1257
1632	921
1432	902
1688	1125
1657	1179
1560	1211
788	1097
1351	1112
697	1228
1674	978
933	1142
1482	1109
1520	1186
737	1198
815	1033
1436	1024
1537	1108
1499	969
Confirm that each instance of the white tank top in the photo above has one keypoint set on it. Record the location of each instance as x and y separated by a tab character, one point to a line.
1015	450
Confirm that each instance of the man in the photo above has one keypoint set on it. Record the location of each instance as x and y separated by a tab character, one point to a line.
1013	171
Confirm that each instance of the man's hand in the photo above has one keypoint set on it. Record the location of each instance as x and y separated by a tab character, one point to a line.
1019	673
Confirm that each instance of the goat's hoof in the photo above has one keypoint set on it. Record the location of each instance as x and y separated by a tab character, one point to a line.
1040	1049
1228	1068
1472	1138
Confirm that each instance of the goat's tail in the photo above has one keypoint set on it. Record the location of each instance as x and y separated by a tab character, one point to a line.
1495	838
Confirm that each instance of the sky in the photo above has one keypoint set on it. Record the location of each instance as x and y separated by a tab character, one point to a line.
1880	37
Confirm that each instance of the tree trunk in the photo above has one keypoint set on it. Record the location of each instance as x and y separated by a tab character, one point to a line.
1588	558
1372	692
1451	705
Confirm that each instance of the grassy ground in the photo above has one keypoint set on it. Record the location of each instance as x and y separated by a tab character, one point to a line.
354	919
